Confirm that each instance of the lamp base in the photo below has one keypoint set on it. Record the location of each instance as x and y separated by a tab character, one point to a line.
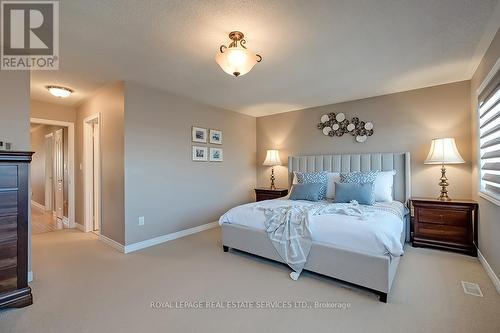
443	183
273	187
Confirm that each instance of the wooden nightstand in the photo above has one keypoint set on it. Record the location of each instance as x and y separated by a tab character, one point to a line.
448	225
267	193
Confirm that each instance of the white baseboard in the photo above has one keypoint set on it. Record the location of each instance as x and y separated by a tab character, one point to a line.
112	243
165	238
489	271
30	276
80	227
37	205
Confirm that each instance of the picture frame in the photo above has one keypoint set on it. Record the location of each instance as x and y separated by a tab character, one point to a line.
215	137
199	134
200	154
216	154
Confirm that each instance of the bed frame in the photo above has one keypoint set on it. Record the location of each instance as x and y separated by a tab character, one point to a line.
367	270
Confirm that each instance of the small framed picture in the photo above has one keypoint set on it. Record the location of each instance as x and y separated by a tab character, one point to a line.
215	137
199	134
216	154
200	153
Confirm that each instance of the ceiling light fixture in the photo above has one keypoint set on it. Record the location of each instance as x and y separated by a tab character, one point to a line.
59	92
236	59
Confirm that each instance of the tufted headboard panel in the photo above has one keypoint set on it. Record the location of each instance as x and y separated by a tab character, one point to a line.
359	162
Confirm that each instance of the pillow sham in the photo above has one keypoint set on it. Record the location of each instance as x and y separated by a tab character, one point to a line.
359	177
314	177
383	185
363	193
309	191
330	185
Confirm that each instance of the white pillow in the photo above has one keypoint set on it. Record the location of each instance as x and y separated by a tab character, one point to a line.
330	186
383	185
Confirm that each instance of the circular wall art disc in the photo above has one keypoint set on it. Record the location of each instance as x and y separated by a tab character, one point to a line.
335	127
340	117
324	118
368	126
326	130
361	138
351	127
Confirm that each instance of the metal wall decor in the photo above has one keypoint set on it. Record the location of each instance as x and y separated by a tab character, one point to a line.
336	124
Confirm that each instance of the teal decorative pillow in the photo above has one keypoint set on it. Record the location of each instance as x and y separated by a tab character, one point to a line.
316	178
364	194
359	177
310	192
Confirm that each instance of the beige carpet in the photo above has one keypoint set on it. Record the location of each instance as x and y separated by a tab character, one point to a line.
82	285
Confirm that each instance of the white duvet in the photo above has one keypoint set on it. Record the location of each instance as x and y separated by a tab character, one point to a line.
378	233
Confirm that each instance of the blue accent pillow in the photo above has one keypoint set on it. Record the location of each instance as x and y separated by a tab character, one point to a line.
359	177
310	192
364	194
314	177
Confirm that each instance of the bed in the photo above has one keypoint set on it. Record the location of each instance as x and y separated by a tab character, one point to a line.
358	258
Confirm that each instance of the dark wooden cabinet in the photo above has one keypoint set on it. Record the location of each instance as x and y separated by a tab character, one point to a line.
449	225
14	204
268	194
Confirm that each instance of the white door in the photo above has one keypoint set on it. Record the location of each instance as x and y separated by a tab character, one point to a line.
49	180
59	173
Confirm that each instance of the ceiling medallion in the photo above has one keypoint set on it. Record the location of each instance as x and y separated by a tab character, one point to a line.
236	59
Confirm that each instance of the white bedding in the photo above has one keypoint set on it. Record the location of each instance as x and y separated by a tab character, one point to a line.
379	234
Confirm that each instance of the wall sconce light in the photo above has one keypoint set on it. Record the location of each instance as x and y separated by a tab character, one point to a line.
236	59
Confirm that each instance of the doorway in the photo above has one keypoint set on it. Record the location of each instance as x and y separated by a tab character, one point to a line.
52	175
92	172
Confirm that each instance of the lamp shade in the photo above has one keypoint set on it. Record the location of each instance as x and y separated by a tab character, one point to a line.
272	158
444	151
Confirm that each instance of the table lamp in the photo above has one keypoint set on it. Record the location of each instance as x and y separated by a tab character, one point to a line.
444	151
272	159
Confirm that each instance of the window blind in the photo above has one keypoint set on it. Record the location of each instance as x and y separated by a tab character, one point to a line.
489	137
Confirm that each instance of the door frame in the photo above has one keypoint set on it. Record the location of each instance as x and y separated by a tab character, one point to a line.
49	188
91	196
59	171
71	163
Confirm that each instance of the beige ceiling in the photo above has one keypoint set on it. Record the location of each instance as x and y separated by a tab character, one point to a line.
315	52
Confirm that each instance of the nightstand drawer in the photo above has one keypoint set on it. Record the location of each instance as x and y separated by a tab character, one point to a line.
443	216
442	232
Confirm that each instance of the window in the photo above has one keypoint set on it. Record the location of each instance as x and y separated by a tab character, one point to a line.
489	137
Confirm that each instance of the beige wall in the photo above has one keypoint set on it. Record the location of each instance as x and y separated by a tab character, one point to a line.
15	108
162	183
108	101
52	111
489	220
404	121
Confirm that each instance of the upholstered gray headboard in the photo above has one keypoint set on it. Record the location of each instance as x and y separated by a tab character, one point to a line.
359	162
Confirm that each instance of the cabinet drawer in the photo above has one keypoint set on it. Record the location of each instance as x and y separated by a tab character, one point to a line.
441	232
443	216
8	254
8	176
8	279
8	203
8	228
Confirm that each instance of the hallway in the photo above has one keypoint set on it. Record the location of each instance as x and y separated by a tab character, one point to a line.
43	221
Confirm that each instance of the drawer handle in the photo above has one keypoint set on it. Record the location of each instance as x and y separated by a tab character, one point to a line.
441	217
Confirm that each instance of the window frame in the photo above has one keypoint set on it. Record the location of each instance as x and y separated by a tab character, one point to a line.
483	193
